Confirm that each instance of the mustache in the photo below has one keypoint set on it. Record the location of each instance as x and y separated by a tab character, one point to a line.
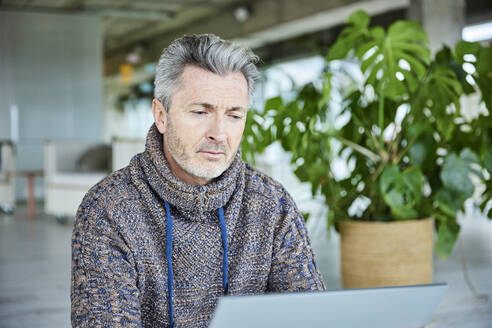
215	147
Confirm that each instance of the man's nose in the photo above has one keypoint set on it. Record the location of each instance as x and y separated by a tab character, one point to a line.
217	131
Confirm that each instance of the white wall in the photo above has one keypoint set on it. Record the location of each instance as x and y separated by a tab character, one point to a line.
51	70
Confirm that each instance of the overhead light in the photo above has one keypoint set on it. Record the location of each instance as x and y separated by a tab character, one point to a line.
479	32
242	14
133	58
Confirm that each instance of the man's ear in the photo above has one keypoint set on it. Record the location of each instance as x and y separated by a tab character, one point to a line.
160	115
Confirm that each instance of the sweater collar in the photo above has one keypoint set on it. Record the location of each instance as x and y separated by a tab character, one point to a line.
184	196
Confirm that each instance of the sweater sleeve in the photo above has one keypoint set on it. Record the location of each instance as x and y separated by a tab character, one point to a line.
293	264
104	289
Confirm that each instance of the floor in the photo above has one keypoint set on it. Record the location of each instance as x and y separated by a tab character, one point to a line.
35	273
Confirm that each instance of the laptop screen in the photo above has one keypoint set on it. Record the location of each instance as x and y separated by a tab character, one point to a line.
391	307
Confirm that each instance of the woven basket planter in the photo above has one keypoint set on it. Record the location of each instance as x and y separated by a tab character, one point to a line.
386	253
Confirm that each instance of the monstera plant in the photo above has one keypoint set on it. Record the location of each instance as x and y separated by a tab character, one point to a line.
411	150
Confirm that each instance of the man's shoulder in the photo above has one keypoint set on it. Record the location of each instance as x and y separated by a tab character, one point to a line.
111	190
263	185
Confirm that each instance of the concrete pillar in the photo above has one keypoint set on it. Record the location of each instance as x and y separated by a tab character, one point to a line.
442	19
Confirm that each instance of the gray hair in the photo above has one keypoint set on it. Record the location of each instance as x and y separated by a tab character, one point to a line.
207	51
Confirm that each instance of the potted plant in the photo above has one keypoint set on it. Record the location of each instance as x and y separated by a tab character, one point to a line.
412	153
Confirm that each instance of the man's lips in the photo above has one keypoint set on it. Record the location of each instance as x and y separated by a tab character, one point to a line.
211	152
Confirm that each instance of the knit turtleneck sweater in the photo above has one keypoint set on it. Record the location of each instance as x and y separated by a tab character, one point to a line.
119	266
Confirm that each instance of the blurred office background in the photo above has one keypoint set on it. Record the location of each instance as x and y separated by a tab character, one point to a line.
75	104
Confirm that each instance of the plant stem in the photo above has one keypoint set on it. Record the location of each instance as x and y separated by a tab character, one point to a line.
413	103
392	148
378	147
364	151
404	151
382	153
378	171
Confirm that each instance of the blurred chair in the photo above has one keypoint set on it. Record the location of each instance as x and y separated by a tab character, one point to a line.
70	170
7	181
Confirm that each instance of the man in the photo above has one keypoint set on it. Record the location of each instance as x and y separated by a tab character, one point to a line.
157	243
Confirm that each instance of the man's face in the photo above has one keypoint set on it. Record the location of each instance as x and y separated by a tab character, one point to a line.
203	127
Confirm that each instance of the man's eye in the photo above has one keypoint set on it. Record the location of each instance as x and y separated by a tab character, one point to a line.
200	112
236	117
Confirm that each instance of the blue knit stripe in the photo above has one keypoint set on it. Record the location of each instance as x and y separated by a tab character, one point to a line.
225	262
169	252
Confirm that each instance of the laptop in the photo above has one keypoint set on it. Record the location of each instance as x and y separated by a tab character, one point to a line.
384	307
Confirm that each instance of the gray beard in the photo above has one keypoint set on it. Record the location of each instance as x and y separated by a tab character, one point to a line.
177	151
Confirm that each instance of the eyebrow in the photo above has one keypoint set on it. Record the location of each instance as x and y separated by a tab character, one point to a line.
210	106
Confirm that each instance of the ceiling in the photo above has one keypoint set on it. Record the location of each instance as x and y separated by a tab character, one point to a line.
147	26
128	22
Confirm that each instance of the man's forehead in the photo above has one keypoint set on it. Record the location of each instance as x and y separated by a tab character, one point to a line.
202	87
195	75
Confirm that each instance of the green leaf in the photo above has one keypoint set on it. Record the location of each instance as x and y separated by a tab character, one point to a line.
408	30
422	153
274	103
456	171
403	41
447	234
483	67
463	48
488	162
485	204
253	130
447	202
413	179
326	91
359	18
439	89
401	191
416	65
483	75
305	215
443	89
351	36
